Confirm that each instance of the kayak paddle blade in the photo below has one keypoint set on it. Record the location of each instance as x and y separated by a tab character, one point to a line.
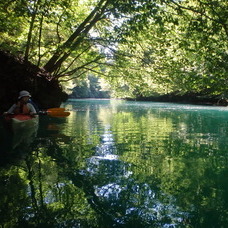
56	109
58	113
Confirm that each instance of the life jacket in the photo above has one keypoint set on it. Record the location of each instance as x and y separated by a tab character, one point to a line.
21	108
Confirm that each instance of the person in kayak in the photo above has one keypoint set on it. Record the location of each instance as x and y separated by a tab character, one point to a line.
22	106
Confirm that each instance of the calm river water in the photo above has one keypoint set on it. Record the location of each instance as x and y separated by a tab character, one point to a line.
118	164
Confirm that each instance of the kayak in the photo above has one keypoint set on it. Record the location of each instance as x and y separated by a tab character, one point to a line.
24	129
20	121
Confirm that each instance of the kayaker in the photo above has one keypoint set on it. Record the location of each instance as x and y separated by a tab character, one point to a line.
22	106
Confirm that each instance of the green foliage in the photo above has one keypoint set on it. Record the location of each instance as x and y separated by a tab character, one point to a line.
187	53
91	88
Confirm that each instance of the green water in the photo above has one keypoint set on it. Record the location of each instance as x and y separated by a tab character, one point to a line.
118	164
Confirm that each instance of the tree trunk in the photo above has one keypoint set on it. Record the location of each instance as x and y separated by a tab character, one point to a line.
75	39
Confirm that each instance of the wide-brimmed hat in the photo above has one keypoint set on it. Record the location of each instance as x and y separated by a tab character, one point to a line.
24	93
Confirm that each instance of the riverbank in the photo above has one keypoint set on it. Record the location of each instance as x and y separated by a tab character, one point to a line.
17	74
185	99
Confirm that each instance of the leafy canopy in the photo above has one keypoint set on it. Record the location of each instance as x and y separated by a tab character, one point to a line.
141	47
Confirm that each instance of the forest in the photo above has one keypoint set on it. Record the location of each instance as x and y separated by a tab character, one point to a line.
137	49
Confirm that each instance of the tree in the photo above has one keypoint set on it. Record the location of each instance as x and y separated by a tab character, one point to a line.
43	14
90	88
185	53
148	46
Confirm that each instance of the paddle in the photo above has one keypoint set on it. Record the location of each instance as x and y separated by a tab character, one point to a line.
53	112
49	113
58	113
56	109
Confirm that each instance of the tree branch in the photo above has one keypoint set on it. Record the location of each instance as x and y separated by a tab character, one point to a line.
79	68
76	38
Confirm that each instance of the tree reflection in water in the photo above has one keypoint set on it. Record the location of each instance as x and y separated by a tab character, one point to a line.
131	203
120	169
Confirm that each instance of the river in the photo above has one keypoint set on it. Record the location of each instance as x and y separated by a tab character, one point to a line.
115	163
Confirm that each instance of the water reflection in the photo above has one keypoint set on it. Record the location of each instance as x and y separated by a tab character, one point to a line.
16	141
121	164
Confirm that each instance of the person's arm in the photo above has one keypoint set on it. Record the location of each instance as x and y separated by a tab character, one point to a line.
31	109
30	101
11	109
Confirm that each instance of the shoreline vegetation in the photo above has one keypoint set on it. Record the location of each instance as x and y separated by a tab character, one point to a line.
205	101
192	98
